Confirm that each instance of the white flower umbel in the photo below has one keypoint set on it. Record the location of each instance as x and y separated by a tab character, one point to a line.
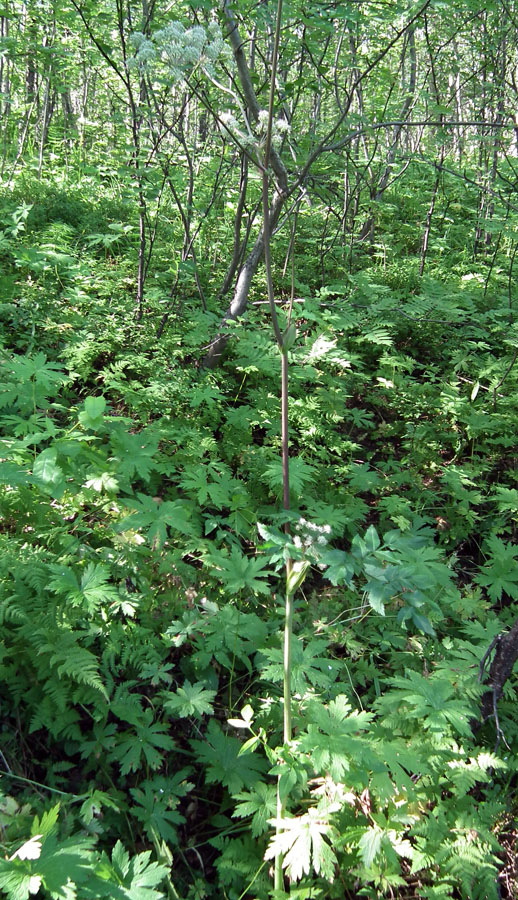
182	49
311	538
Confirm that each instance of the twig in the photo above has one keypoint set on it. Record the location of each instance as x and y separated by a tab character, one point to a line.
483	661
499	732
504	376
6	764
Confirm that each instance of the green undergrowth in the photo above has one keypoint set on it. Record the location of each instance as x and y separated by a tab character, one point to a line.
142	541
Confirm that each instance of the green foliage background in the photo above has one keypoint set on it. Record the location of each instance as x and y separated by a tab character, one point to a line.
142	536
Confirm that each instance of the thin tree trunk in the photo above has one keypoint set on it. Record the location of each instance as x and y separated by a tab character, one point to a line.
237	253
47	113
383	182
429	215
5	89
442	153
242	289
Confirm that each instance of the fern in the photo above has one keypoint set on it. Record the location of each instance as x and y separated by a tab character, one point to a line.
473	866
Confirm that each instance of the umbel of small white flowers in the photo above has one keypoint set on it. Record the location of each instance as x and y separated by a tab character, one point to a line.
311	538
182	49
185	50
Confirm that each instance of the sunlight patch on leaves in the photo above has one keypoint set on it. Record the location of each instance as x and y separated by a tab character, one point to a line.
303	843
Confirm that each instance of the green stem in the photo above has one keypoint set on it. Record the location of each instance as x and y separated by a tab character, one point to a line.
288	628
288	622
288	609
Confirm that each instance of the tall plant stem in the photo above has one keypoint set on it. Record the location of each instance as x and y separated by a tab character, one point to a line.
288	616
288	620
288	607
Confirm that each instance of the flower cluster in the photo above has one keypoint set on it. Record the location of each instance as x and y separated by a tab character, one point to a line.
145	51
280	127
311	539
185	49
182	49
247	138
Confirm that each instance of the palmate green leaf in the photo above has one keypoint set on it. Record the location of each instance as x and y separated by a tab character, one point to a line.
333	738
16	879
194	481
220	754
123	878
33	379
432	701
189	700
64	581
93	590
240	417
400	758
144	743
362	478
94	804
310	664
500	573
102	482
47	861
239	572
229	635
156	800
506	499
134	453
158	517
301	474
260	802
212	485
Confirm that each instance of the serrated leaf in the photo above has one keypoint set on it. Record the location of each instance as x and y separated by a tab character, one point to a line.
47	474
301	843
132	879
260	803
31	849
370	845
92	415
240	572
219	752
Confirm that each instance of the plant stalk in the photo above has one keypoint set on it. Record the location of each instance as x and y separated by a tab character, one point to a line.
288	617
